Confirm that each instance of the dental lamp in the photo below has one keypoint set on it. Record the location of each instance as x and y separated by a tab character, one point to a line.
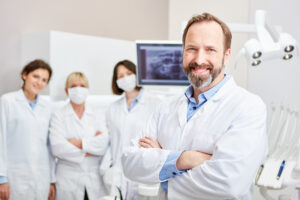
270	43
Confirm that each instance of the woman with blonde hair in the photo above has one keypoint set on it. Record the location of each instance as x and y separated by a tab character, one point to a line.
78	138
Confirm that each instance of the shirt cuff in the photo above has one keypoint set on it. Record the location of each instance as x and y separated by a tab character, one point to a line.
169	169
3	179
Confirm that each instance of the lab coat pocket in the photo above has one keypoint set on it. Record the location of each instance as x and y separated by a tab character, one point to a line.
68	179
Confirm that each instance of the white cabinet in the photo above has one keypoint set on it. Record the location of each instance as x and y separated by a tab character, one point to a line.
68	52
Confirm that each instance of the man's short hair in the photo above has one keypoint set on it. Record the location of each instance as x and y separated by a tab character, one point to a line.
206	17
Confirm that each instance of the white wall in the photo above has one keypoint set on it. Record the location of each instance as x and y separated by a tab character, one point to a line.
120	19
69	52
94	56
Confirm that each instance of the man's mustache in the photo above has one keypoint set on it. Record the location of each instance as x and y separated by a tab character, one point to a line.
203	66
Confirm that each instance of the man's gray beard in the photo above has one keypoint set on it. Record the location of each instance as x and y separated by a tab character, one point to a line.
197	83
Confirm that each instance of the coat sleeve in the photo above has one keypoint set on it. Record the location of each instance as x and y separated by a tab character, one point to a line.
3	122
97	145
231	171
142	164
52	163
61	148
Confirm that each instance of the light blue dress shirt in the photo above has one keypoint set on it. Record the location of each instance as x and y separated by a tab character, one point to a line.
136	100
3	179
33	104
169	169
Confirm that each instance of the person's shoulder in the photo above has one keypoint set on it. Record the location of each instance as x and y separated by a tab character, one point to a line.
248	101
61	112
114	107
162	96
150	97
45	99
116	103
250	97
170	103
92	110
10	97
175	99
239	94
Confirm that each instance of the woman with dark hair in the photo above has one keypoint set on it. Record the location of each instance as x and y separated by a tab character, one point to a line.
26	162
125	118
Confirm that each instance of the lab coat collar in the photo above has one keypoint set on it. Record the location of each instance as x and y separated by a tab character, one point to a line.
21	97
221	94
142	96
142	99
87	109
226	88
181	112
207	94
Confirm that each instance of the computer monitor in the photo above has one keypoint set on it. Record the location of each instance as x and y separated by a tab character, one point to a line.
160	63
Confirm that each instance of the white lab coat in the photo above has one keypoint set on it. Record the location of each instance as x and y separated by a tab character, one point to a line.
124	125
230	126
25	155
75	171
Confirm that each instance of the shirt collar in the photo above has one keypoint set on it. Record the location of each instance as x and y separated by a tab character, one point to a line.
34	103
139	96
209	93
22	97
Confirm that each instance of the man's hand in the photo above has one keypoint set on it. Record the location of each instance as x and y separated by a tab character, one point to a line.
149	142
52	192
76	142
191	159
4	191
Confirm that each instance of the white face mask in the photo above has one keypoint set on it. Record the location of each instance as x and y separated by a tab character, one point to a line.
127	83
78	95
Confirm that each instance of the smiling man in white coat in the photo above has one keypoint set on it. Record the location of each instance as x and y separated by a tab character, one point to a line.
209	142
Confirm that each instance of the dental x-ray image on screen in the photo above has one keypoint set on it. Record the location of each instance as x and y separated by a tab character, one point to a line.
160	63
